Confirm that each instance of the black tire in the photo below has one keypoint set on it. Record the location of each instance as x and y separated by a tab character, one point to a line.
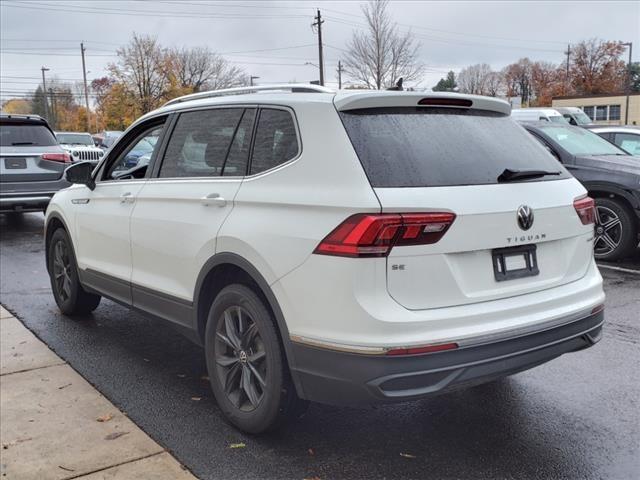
71	298
616	230
254	354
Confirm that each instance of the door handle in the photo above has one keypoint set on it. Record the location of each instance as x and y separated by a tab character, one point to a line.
213	199
127	198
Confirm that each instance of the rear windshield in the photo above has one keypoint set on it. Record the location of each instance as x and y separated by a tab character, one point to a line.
24	134
419	147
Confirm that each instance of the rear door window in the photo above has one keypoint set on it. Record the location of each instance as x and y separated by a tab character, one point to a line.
24	134
276	140
419	147
200	143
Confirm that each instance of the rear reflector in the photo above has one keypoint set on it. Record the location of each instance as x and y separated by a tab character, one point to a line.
424	349
586	210
370	235
445	102
57	157
597	309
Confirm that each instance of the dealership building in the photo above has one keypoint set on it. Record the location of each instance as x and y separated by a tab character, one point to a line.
604	109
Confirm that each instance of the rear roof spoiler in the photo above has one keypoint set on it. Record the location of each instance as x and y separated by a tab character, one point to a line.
385	99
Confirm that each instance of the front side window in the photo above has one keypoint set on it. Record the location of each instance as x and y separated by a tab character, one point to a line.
201	142
628	142
276	140
133	162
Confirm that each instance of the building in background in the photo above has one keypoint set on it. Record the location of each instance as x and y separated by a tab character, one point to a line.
604	109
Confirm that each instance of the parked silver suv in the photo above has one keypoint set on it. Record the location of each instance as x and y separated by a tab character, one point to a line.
31	163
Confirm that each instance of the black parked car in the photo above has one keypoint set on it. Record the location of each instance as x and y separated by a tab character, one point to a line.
611	176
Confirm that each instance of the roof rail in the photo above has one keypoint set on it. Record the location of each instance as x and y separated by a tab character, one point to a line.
293	87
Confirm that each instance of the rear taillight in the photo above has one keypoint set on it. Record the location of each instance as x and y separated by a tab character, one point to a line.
57	157
371	235
586	210
423	349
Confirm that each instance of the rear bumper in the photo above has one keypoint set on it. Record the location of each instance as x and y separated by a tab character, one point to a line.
341	378
28	196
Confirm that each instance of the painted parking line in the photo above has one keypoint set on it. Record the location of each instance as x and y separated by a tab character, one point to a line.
619	269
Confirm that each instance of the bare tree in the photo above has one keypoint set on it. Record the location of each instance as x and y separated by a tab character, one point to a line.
474	79
494	84
200	68
381	55
141	68
517	77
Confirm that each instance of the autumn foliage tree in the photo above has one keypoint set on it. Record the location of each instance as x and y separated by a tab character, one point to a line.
596	67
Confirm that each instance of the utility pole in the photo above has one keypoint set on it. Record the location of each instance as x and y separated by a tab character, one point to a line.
53	120
339	75
44	93
566	78
626	108
251	79
318	23
86	90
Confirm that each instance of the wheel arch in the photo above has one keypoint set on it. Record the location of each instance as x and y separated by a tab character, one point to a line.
223	269
54	221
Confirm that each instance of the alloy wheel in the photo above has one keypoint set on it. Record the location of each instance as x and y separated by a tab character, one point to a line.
608	231
62	270
240	359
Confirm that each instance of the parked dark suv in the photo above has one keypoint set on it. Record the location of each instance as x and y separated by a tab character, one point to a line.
611	176
31	163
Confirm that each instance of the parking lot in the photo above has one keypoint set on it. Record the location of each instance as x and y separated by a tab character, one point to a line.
576	417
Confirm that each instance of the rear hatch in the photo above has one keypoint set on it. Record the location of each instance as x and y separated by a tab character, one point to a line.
449	160
29	152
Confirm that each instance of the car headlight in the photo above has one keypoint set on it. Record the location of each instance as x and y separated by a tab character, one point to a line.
74	153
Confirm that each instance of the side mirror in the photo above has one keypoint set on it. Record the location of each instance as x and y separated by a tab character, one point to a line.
81	173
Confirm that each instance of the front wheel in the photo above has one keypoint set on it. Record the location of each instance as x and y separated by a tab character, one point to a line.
615	230
246	365
71	298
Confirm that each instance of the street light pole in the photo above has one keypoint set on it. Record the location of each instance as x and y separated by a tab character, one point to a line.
86	90
626	109
44	92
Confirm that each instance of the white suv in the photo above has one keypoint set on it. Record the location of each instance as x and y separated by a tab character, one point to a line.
346	248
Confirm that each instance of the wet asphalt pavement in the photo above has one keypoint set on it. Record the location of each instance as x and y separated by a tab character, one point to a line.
575	417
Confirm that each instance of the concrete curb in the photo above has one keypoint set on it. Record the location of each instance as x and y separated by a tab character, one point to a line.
55	425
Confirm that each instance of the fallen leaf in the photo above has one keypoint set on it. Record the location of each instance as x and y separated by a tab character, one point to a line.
104	418
407	455
196	399
65	468
114	435
181	375
145	359
205	378
312	478
311	452
64	386
237	445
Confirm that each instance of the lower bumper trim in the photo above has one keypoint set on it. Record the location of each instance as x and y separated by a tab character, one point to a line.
342	378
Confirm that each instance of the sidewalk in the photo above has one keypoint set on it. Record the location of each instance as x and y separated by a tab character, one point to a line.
55	425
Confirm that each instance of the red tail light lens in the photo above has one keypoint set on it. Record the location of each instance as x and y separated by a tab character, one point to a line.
586	210
57	157
425	349
369	235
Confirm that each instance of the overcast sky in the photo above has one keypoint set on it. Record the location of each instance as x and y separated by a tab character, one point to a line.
273	40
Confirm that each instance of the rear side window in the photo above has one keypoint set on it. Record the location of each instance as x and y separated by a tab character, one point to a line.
200	143
417	147
15	135
276	140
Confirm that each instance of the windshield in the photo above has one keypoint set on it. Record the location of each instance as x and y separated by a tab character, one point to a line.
557	119
26	134
419	147
578	141
582	118
74	138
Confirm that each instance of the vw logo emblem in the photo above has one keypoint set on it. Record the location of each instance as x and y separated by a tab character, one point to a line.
525	217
